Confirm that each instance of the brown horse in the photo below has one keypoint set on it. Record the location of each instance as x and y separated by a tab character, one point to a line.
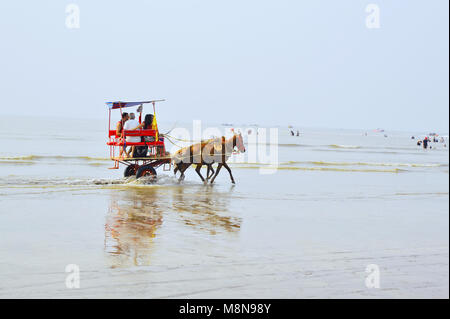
207	152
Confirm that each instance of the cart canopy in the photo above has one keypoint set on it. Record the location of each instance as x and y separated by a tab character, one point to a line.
120	104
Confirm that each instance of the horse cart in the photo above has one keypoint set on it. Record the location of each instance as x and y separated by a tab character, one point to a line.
150	152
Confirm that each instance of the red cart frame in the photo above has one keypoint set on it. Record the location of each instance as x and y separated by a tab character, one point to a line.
156	155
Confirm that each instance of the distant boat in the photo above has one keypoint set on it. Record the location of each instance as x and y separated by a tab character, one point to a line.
378	130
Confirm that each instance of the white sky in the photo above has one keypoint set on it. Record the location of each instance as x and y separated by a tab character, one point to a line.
307	63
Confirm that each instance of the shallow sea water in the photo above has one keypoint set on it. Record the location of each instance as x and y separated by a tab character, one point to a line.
338	202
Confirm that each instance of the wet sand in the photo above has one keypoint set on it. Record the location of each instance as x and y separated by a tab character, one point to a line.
196	241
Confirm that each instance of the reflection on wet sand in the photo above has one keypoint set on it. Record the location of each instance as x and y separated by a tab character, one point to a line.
205	209
136	214
133	218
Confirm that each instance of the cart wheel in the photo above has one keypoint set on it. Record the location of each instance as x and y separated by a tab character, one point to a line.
130	170
146	170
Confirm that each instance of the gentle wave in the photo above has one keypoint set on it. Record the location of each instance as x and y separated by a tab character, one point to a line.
365	164
50	157
17	162
333	169
312	145
292	145
344	146
421	194
57	182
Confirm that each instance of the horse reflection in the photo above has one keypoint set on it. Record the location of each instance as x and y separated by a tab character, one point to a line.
205	209
135	217
131	224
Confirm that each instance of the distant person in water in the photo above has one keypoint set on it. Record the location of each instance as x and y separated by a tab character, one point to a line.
292	133
298	133
425	143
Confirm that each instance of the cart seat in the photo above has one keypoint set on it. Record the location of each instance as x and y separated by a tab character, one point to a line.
112	133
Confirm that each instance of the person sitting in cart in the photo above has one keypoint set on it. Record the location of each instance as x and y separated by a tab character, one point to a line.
147	125
120	125
131	124
119	129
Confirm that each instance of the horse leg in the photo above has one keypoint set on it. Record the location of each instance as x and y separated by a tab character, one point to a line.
178	167
181	176
197	169
229	171
182	170
210	169
217	172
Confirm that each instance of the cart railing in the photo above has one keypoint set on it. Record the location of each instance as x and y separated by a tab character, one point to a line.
112	133
155	147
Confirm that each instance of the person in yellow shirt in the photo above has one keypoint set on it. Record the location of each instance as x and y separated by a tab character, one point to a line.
150	124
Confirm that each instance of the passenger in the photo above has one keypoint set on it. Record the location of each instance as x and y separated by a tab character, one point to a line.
147	124
119	130
120	125
130	125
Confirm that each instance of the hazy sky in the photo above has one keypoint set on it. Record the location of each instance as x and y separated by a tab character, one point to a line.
307	63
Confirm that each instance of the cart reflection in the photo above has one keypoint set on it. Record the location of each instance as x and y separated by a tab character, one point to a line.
135	216
133	219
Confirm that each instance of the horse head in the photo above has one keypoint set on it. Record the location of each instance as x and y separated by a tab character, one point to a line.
239	142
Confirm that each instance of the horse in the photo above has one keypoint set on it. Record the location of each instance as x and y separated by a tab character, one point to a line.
184	158
217	150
